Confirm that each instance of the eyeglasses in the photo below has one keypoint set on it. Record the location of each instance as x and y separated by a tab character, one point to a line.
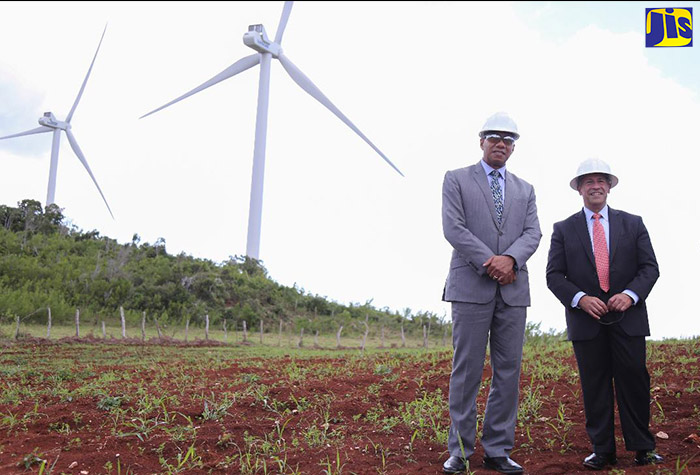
495	138
611	320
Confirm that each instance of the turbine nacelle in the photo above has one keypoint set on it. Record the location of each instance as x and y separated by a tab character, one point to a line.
49	120
256	38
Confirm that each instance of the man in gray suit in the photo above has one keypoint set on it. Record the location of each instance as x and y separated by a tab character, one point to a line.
489	216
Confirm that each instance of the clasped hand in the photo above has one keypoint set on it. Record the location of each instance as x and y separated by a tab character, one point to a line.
500	269
596	308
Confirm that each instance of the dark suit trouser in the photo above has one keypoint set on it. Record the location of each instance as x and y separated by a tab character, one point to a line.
613	365
503	327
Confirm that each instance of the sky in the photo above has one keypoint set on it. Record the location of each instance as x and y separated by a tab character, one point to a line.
418	78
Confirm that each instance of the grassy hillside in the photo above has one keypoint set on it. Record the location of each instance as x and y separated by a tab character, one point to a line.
45	263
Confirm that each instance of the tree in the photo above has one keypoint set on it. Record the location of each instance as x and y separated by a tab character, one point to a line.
53	216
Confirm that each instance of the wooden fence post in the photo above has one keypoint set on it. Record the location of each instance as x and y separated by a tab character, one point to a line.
261	331
206	327
17	327
104	330
364	337
300	343
225	331
160	334
187	328
245	331
77	322
48	326
337	337
403	337
123	321
143	326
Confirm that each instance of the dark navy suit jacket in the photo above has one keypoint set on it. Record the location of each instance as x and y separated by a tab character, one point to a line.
571	268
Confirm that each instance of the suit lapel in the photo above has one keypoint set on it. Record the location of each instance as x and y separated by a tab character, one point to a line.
615	229
509	191
483	182
581	229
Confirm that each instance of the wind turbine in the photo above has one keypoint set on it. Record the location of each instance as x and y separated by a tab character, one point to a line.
256	38
49	123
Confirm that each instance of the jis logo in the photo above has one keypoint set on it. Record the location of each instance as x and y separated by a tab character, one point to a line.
669	27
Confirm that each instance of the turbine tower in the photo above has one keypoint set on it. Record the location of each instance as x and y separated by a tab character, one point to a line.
256	38
49	123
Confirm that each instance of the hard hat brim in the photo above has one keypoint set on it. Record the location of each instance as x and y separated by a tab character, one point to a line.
613	179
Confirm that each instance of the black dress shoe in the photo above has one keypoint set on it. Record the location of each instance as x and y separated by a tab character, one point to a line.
502	464
599	461
454	464
647	457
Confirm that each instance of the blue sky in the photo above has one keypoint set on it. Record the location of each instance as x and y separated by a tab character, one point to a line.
418	78
560	20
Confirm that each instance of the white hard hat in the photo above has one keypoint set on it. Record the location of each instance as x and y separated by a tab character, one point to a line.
593	165
500	122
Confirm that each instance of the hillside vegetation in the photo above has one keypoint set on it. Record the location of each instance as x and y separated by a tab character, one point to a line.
45	263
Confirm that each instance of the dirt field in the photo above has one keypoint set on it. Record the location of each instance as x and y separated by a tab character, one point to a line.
81	407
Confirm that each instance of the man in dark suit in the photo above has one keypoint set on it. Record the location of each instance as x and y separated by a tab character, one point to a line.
489	217
602	267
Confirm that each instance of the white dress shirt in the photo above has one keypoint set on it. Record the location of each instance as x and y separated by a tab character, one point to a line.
501	177
605	222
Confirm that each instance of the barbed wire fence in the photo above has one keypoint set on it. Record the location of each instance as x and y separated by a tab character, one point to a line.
359	335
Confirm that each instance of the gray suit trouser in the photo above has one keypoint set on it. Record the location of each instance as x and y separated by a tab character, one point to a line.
503	327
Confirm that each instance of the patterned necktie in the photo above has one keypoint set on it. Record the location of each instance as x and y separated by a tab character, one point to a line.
600	251
497	194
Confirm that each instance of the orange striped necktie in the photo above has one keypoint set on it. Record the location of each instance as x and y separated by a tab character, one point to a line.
600	252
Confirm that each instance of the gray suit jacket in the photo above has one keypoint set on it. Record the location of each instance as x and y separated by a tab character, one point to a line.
470	225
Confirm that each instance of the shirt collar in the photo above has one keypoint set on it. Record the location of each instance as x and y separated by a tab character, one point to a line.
488	169
603	212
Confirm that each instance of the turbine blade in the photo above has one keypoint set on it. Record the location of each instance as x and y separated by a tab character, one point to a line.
306	84
82	88
38	130
283	21
237	67
81	157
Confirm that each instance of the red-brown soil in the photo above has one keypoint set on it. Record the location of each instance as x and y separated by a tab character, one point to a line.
329	397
